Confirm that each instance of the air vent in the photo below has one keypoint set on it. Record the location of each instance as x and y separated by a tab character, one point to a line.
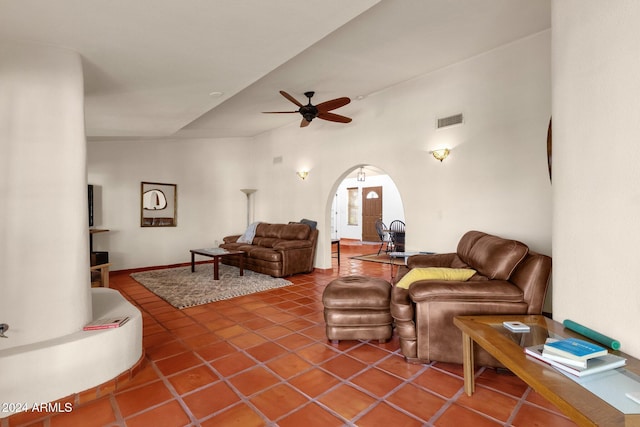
449	121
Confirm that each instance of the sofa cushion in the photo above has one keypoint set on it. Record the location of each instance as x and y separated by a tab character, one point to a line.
264	254
435	273
292	244
492	256
266	242
295	232
467	241
268	230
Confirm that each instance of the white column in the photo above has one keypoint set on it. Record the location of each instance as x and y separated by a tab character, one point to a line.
44	241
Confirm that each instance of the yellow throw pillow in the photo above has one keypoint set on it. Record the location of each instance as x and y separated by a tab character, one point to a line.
435	273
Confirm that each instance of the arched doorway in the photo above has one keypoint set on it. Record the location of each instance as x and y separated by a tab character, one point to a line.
361	195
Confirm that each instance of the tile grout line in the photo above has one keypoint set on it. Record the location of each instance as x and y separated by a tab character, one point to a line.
304	289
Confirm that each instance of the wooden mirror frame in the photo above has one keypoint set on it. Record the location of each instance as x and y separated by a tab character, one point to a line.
549	149
162	213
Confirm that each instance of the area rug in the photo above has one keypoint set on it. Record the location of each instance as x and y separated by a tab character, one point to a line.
382	258
181	288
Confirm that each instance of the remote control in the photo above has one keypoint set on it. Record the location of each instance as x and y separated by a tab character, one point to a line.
516	326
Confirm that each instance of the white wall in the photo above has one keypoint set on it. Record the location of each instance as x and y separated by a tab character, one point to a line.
44	240
209	176
495	179
392	207
596	102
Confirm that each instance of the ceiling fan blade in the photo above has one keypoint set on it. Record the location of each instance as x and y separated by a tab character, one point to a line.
304	123
279	112
332	117
333	104
290	98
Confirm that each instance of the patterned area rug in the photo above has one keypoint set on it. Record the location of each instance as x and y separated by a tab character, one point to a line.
181	288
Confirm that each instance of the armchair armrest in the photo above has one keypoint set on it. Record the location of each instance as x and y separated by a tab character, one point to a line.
431	260
491	291
401	305
403	312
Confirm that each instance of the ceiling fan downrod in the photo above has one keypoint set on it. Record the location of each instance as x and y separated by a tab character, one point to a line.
309	112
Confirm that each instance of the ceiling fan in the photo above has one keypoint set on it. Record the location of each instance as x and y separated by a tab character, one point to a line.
321	111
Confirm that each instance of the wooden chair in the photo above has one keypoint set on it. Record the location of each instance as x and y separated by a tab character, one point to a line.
397	235
383	233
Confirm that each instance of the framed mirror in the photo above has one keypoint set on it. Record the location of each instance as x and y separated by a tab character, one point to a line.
549	149
158	204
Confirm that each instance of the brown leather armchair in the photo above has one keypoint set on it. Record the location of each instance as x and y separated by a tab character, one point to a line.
509	279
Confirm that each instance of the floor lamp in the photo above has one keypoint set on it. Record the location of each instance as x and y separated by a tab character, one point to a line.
248	192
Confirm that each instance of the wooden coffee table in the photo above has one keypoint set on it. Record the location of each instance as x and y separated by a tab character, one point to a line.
582	406
217	254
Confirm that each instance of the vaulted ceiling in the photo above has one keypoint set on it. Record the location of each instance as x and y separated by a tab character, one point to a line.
209	68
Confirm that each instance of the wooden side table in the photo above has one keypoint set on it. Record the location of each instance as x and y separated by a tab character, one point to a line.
582	406
103	269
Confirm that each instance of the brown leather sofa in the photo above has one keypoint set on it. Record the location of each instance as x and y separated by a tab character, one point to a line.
277	249
509	279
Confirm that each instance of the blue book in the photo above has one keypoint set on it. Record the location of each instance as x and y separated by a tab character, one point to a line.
574	348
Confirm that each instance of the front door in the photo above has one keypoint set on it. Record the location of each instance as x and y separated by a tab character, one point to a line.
371	212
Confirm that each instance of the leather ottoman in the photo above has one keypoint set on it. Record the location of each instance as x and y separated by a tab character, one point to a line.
358	308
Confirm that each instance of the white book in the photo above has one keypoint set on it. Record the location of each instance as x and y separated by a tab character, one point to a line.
580	364
594	365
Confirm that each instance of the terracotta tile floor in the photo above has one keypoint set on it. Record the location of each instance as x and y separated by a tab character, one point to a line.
263	360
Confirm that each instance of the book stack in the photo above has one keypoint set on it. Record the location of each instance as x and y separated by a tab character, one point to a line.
575	356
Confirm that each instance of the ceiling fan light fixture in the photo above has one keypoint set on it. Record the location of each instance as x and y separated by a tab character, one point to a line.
310	111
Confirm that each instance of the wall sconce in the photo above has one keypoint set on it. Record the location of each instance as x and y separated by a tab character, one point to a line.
303	174
440	154
361	175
